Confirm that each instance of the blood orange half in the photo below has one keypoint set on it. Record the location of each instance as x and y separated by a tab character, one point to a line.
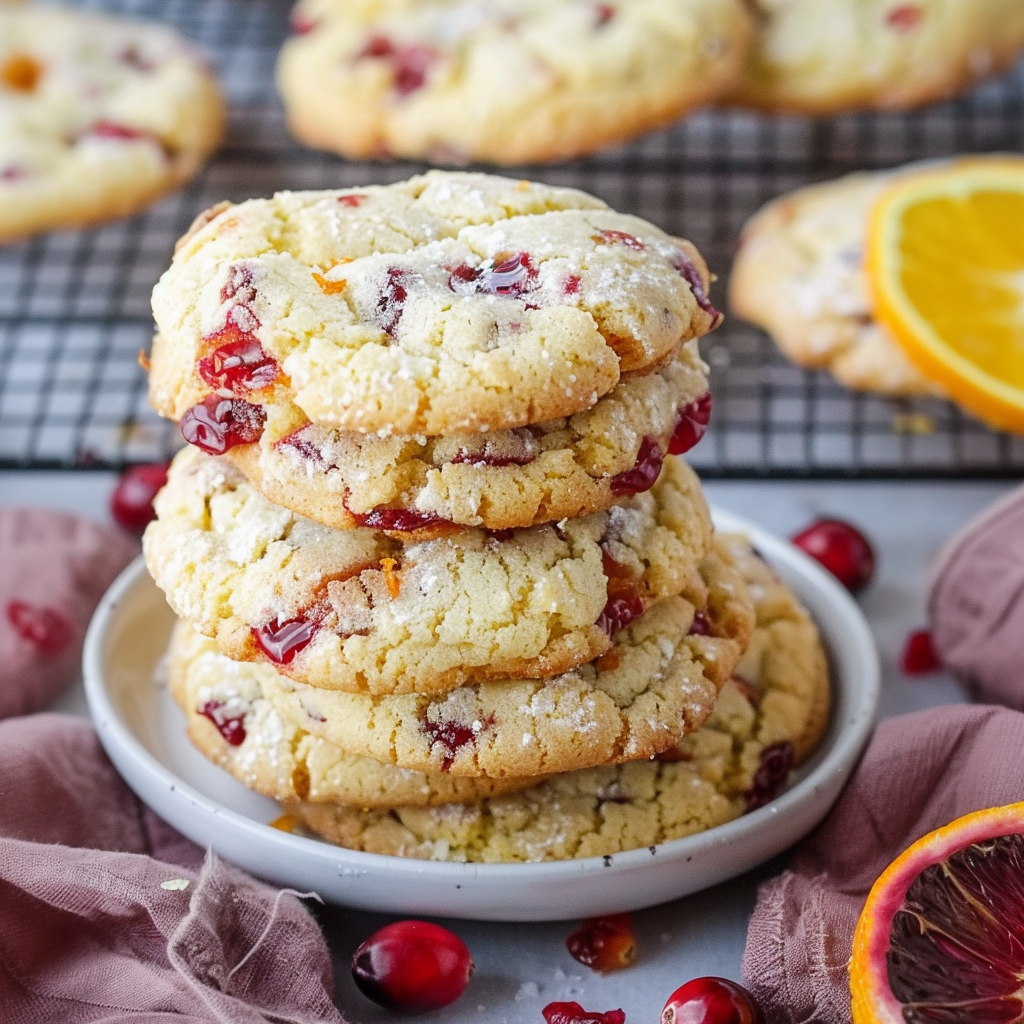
941	937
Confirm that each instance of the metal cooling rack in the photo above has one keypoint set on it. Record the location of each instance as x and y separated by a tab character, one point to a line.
74	307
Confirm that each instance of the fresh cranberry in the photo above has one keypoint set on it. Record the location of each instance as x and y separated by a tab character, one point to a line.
453	736
409	64
905	17
282	641
48	630
692	424
412	967
398	519
619	238
512	277
603	943
604	13
771	776
711	1001
240	365
645	471
842	549
701	625
216	424
391	304
231	727
573	1013
919	657
131	504
689	271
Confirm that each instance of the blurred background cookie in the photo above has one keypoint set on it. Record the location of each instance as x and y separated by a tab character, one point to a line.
504	81
99	116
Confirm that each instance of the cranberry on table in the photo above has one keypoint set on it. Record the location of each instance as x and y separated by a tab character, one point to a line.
131	504
919	657
412	967
573	1013
711	1001
603	943
842	549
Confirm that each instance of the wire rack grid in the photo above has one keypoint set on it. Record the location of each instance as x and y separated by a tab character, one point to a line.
74	306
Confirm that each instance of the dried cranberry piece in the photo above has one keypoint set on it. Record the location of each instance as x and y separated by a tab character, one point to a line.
409	64
131	57
239	286
355	199
391	304
300	24
776	762
619	238
701	625
453	736
604	13
711	1001
282	641
919	657
512	277
603	943
689	271
13	174
216	424
231	727
48	630
111	130
298	441
240	365
412	967
905	17
620	611
645	471
692	424
131	503
521	450
571	285
573	1013
399	519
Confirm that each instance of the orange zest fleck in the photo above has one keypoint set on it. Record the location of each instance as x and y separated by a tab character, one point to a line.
390	576
286	823
21	72
329	287
609	661
144	359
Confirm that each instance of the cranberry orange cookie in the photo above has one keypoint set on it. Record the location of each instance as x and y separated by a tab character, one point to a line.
658	682
500	480
767	720
823	56
502	81
799	274
354	610
98	117
236	727
448	303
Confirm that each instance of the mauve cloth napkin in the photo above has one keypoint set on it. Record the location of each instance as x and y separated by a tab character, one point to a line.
54	568
976	603
88	930
920	771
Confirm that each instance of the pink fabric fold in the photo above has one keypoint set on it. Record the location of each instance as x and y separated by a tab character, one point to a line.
976	603
920	772
55	569
90	931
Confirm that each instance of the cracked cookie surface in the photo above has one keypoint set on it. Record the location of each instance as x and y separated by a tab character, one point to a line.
500	480
236	727
769	717
799	274
502	81
444	304
99	116
657	683
817	58
355	610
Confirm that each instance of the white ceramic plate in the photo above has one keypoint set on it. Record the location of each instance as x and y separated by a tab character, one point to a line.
143	731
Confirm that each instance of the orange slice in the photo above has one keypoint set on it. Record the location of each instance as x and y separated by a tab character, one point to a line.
941	937
945	261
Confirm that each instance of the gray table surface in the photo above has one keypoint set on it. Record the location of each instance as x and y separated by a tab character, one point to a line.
522	967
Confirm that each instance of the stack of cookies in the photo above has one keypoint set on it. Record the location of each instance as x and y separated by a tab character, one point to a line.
445	589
